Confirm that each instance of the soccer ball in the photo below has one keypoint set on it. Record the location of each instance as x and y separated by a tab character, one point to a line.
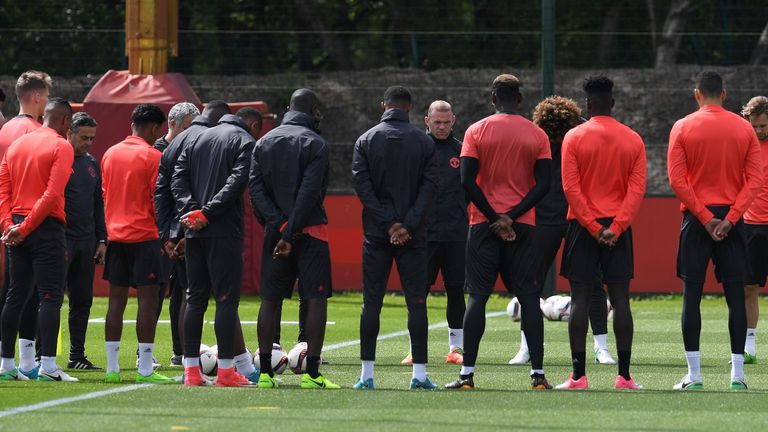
208	363
215	349
548	308
297	358
513	309
204	348
279	359
562	308
610	309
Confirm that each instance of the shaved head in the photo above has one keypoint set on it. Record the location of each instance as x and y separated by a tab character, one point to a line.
439	106
58	113
304	100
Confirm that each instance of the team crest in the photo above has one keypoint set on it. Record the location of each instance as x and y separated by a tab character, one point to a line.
454	162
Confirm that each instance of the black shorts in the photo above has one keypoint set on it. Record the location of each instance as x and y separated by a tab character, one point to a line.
697	248
584	260
546	242
488	256
309	261
134	264
448	258
214	268
757	248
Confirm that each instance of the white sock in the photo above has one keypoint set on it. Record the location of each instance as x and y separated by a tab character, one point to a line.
113	356
466	370
48	364
537	371
244	364
27	354
694	365
420	371
190	362
737	367
226	363
601	342
146	351
367	372
523	342
749	345
455	339
7	364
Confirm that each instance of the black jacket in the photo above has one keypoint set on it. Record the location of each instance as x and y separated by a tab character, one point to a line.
449	222
84	202
289	176
161	144
211	175
165	204
553	208
394	172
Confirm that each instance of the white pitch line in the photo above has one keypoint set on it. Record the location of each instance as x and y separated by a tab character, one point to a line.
102	393
103	320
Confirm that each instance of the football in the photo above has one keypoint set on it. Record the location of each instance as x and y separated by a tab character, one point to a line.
208	363
562	308
297	358
513	309
279	359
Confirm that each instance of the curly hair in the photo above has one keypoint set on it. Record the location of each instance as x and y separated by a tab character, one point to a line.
556	115
756	106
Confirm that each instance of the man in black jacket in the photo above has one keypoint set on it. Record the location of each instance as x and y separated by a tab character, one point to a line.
86	235
171	233
288	181
208	183
395	177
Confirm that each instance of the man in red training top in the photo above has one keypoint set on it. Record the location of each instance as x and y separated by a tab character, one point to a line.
715	169
756	228
33	176
32	89
129	174
604	182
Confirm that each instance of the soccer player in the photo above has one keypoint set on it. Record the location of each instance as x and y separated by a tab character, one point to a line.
604	174
2	103
32	90
33	176
756	228
208	183
86	235
715	169
447	231
129	172
288	181
557	115
505	169
394	171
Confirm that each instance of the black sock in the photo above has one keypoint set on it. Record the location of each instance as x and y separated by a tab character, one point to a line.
578	360
470	376
624	357
313	366
266	364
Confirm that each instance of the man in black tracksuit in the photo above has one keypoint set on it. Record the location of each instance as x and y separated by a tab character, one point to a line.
394	173
86	235
171	233
208	183
288	181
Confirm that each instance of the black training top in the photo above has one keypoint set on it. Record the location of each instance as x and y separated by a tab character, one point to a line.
553	208
449	220
84	202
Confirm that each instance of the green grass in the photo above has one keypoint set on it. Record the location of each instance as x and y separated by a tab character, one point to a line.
501	401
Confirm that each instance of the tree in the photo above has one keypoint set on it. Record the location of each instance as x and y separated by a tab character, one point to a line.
760	53
671	34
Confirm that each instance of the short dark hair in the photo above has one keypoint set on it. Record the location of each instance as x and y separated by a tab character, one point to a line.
249	113
709	83
506	87
81	119
146	114
397	95
32	80
59	103
216	109
598	85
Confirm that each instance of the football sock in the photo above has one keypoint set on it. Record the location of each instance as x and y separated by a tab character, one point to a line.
737	366
749	346
737	316
313	366
27	354
244	364
113	356
7	364
226	363
455	339
265	361
48	364
420	371
601	342
474	327
537	371
467	370
691	317
367	372
534	328
694	364
145	358
190	362
523	342
578	360
624	360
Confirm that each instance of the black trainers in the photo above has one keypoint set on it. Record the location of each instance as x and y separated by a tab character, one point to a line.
538	382
176	361
82	363
465	382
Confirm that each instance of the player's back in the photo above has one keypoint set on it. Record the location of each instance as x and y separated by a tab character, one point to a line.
13	129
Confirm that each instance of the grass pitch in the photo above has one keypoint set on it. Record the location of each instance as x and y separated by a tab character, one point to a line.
500	402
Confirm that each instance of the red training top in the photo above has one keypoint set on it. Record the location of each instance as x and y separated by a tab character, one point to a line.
604	173
714	159
507	147
758	212
33	176
129	174
13	129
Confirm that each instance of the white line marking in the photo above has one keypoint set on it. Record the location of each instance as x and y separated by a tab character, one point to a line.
103	320
98	394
